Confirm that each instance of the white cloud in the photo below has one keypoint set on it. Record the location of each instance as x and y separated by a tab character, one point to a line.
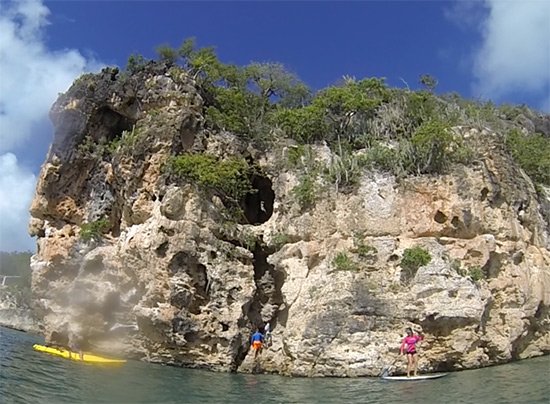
32	76
514	56
16	189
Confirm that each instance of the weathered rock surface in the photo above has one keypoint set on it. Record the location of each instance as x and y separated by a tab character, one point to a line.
173	282
16	313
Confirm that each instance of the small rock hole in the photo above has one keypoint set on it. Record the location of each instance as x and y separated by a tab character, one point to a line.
161	249
440	217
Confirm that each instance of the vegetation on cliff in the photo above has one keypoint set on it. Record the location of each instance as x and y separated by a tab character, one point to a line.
229	178
398	130
366	124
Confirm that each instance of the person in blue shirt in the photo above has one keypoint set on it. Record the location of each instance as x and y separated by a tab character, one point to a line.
256	342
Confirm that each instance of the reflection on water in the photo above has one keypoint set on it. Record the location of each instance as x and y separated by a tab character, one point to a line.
29	376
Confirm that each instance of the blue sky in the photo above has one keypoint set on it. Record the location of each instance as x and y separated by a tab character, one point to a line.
493	49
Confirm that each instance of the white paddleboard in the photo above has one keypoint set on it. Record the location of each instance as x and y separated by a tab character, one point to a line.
413	378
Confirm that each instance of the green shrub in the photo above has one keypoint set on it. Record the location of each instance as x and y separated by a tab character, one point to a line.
476	273
89	148
345	171
428	81
93	230
279	240
295	155
414	258
230	178
532	153
135	63
365	251
431	148
510	111
126	142
305	125
305	191
381	157
237	111
248	240
342	262
167	54
420	107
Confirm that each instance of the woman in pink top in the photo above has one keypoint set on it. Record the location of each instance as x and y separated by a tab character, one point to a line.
408	347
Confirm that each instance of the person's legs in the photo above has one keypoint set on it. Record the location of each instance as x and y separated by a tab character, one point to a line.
415	362
257	348
409	364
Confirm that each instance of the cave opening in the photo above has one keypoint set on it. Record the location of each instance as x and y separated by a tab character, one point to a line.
108	125
258	205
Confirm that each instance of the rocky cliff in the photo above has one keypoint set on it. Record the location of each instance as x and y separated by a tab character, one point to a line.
16	311
133	261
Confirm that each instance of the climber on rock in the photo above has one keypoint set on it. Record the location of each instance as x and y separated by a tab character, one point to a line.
256	342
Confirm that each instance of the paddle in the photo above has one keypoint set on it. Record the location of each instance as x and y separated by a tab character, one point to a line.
386	369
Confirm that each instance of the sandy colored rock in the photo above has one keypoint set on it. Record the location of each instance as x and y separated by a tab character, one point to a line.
171	280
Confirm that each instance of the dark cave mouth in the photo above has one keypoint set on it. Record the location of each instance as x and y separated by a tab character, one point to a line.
258	206
107	124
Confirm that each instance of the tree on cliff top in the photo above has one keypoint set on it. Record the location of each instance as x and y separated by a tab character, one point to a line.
404	131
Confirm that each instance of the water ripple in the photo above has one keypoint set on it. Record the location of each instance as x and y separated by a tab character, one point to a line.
28	376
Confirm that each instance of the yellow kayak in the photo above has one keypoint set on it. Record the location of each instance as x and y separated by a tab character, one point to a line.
75	356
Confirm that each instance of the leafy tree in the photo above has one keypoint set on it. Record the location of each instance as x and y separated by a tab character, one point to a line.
187	48
350	104
135	62
428	81
306	124
272	81
237	111
167	54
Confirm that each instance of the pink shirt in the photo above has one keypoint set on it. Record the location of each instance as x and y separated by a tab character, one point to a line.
410	343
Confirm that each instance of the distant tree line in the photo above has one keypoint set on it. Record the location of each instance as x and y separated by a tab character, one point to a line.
16	264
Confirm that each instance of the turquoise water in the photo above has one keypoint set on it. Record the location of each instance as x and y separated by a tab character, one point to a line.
27	376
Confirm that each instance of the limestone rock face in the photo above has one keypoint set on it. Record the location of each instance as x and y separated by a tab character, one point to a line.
15	311
168	279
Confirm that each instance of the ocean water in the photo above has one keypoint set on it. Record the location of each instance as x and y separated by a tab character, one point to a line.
27	376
